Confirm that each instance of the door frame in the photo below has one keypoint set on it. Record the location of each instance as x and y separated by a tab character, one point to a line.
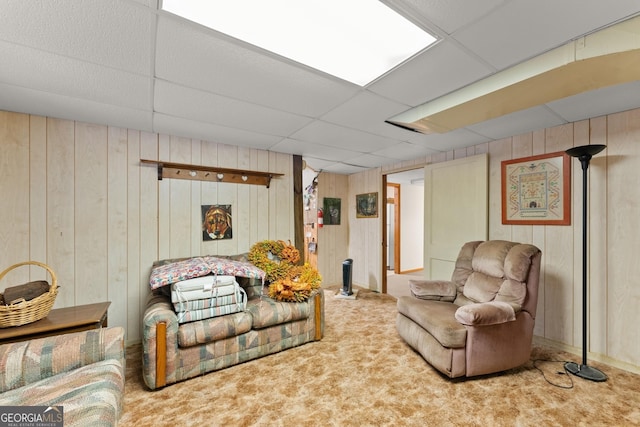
396	226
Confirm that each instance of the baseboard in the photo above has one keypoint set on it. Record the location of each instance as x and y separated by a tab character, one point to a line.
590	356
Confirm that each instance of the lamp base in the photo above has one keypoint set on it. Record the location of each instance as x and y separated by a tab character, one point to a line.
585	371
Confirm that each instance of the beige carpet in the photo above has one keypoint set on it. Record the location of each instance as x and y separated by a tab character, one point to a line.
362	374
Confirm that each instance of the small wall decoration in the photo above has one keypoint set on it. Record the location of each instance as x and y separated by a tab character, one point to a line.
536	190
331	208
216	222
367	205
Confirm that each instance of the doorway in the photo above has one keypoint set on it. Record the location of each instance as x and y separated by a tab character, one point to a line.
403	229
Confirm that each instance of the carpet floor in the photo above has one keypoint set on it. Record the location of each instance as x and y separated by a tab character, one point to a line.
363	374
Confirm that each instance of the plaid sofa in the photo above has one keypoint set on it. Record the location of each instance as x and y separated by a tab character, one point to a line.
174	352
83	372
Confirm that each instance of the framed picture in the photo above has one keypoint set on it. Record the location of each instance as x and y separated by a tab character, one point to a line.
536	190
331	208
367	205
216	222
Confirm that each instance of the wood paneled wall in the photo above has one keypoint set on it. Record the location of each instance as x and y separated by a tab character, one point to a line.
75	196
333	240
614	235
365	234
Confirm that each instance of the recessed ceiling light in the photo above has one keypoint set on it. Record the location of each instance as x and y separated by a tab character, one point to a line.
355	40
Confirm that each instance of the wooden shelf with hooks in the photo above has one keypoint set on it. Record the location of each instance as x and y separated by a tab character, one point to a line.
211	173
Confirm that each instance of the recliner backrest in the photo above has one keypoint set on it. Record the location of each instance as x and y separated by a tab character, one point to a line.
494	270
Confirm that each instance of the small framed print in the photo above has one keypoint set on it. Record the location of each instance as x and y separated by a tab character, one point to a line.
332	211
536	190
367	205
216	222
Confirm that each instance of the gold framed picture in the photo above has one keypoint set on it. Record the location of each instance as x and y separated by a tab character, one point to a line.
367	205
536	190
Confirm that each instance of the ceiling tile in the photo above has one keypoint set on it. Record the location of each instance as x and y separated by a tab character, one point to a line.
113	33
369	161
317	164
221	65
452	140
206	107
343	169
405	151
367	112
311	149
48	72
435	72
598	102
338	136
516	123
26	100
522	29
448	15
178	126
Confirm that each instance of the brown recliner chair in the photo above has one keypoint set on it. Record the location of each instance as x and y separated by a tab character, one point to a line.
482	320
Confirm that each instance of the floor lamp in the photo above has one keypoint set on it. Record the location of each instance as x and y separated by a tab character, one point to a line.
584	154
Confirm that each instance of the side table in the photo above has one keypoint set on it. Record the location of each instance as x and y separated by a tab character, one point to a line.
59	321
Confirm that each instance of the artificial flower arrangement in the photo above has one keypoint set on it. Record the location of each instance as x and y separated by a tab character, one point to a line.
288	281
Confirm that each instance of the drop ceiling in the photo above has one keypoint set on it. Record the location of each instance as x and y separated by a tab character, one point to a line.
126	63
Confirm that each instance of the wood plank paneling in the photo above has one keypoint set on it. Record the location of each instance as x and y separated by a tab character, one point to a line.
37	193
135	230
91	223
144	210
14	186
117	225
333	240
623	234
61	208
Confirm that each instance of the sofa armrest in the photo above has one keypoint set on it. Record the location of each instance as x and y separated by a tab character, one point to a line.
159	341
485	313
439	290
25	362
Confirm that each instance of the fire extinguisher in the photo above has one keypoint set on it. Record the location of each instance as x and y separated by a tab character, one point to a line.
320	220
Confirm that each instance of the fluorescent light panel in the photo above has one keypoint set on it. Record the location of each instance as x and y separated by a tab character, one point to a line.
355	40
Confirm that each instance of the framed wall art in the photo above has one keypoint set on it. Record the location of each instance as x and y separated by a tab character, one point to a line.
536	190
216	222
367	205
332	211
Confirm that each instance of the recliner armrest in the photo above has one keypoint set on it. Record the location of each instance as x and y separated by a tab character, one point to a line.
485	313
438	290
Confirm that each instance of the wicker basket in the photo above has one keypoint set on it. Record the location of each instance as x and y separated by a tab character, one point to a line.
25	312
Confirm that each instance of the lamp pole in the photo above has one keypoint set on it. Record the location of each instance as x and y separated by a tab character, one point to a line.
584	154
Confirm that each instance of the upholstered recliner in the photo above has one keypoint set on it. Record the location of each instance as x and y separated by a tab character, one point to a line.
482	320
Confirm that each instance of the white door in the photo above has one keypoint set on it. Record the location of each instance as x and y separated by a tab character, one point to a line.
455	211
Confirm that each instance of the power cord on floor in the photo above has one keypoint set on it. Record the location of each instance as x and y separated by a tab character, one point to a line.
559	372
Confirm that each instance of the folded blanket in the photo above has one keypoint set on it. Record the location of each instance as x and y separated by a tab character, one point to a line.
193	315
204	287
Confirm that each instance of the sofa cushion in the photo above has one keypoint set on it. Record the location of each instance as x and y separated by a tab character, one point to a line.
437	318
268	312
91	395
29	361
213	329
